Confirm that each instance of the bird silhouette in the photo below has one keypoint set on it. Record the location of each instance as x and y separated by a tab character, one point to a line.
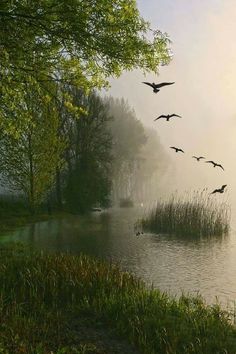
220	190
198	158
215	164
156	87
167	116
176	149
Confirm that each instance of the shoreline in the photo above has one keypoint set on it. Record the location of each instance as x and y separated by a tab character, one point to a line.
10	222
81	305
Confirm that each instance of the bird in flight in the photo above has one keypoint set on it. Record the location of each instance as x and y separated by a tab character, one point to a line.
156	87
167	116
198	158
215	164
220	190
176	149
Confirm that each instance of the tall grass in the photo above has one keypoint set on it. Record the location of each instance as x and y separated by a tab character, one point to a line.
12	204
14	213
194	214
42	295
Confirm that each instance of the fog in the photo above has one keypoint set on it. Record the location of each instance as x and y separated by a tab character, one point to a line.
204	71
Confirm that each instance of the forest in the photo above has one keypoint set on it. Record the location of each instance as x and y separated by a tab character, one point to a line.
56	161
64	146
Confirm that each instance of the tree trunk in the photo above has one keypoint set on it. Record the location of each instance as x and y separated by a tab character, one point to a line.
58	189
31	178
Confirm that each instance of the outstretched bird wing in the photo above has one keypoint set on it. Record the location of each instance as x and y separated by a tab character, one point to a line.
220	166
163	84
176	149
223	187
175	115
201	157
195	157
215	191
213	163
162	116
149	84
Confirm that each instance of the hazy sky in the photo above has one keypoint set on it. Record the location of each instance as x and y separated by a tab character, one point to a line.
204	69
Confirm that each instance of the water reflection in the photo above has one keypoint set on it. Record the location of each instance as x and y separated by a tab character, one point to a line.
174	265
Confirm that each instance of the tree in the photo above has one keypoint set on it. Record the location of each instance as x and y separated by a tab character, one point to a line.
85	41
152	166
31	152
128	138
139	160
70	42
88	180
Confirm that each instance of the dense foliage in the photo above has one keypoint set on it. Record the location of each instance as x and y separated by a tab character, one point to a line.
52	53
85	41
88	177
30	149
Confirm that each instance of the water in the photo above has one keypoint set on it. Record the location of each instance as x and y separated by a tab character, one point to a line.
172	264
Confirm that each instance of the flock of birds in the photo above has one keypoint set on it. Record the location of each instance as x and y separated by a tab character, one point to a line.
156	88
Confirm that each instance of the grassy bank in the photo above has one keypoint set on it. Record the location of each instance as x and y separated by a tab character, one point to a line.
14	213
12	221
60	304
196	214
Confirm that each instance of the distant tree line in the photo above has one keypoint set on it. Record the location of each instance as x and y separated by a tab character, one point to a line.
77	162
57	142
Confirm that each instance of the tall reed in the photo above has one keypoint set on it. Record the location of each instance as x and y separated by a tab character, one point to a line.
44	300
193	214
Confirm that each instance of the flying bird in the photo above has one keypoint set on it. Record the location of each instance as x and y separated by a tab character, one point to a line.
215	164
198	158
156	87
167	116
220	190
176	149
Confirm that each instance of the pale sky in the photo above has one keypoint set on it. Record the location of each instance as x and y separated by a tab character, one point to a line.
204	94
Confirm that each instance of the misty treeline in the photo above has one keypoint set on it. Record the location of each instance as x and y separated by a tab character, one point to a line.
78	151
59	142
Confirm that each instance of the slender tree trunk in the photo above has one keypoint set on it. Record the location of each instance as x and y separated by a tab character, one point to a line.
49	207
31	178
58	189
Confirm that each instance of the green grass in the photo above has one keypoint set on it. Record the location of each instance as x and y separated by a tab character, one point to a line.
10	222
12	203
196	214
14	213
45	300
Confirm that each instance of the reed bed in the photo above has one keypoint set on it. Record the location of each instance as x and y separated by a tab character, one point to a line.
194	214
42	295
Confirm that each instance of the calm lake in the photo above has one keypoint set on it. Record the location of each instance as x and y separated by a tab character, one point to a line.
172	264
